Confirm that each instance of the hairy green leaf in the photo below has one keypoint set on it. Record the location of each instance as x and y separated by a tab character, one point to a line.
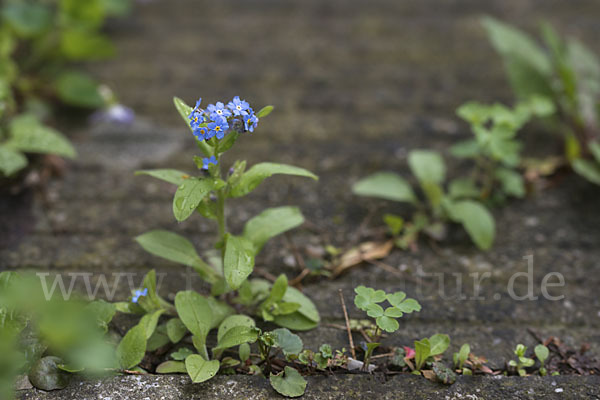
194	311
189	195
259	172
168	175
270	223
199	369
28	134
132	348
239	260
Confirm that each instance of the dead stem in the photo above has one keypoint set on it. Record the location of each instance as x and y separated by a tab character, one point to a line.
350	340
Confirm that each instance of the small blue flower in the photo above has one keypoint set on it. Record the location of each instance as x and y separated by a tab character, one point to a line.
201	133
207	161
196	118
217	128
218	110
250	121
138	294
197	106
238	106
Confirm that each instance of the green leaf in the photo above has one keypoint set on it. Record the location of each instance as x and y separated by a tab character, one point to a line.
385	185
27	19
427	166
463	188
83	45
438	344
595	150
46	375
288	383
408	306
236	336
393	312
511	181
176	330
387	323
168	175
184	110
176	248
189	195
396	298
199	369
287	341
366	296
232	321
103	312
529	68
422	349
194	311
374	310
149	321
463	354
588	169
239	260
466	149
28	134
259	172
156	341
132	348
244	352
181	354
476	219
307	316
541	352
78	89
270	223
171	367
278	289
266	110
11	161
220	311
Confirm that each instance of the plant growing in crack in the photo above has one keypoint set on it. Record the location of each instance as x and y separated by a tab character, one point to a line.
522	361
216	129
369	299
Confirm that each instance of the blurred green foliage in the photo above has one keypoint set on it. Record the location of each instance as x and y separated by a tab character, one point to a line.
40	43
564	71
49	337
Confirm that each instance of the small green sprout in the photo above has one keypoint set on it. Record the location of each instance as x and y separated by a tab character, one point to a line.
427	349
542	353
460	358
522	362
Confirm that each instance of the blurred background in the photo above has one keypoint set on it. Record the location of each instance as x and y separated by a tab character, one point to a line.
355	85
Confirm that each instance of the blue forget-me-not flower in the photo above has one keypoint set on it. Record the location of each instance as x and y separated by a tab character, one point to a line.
250	120
138	294
218	110
238	107
217	128
207	161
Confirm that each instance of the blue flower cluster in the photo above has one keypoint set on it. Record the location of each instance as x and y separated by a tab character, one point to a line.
217	120
138	294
